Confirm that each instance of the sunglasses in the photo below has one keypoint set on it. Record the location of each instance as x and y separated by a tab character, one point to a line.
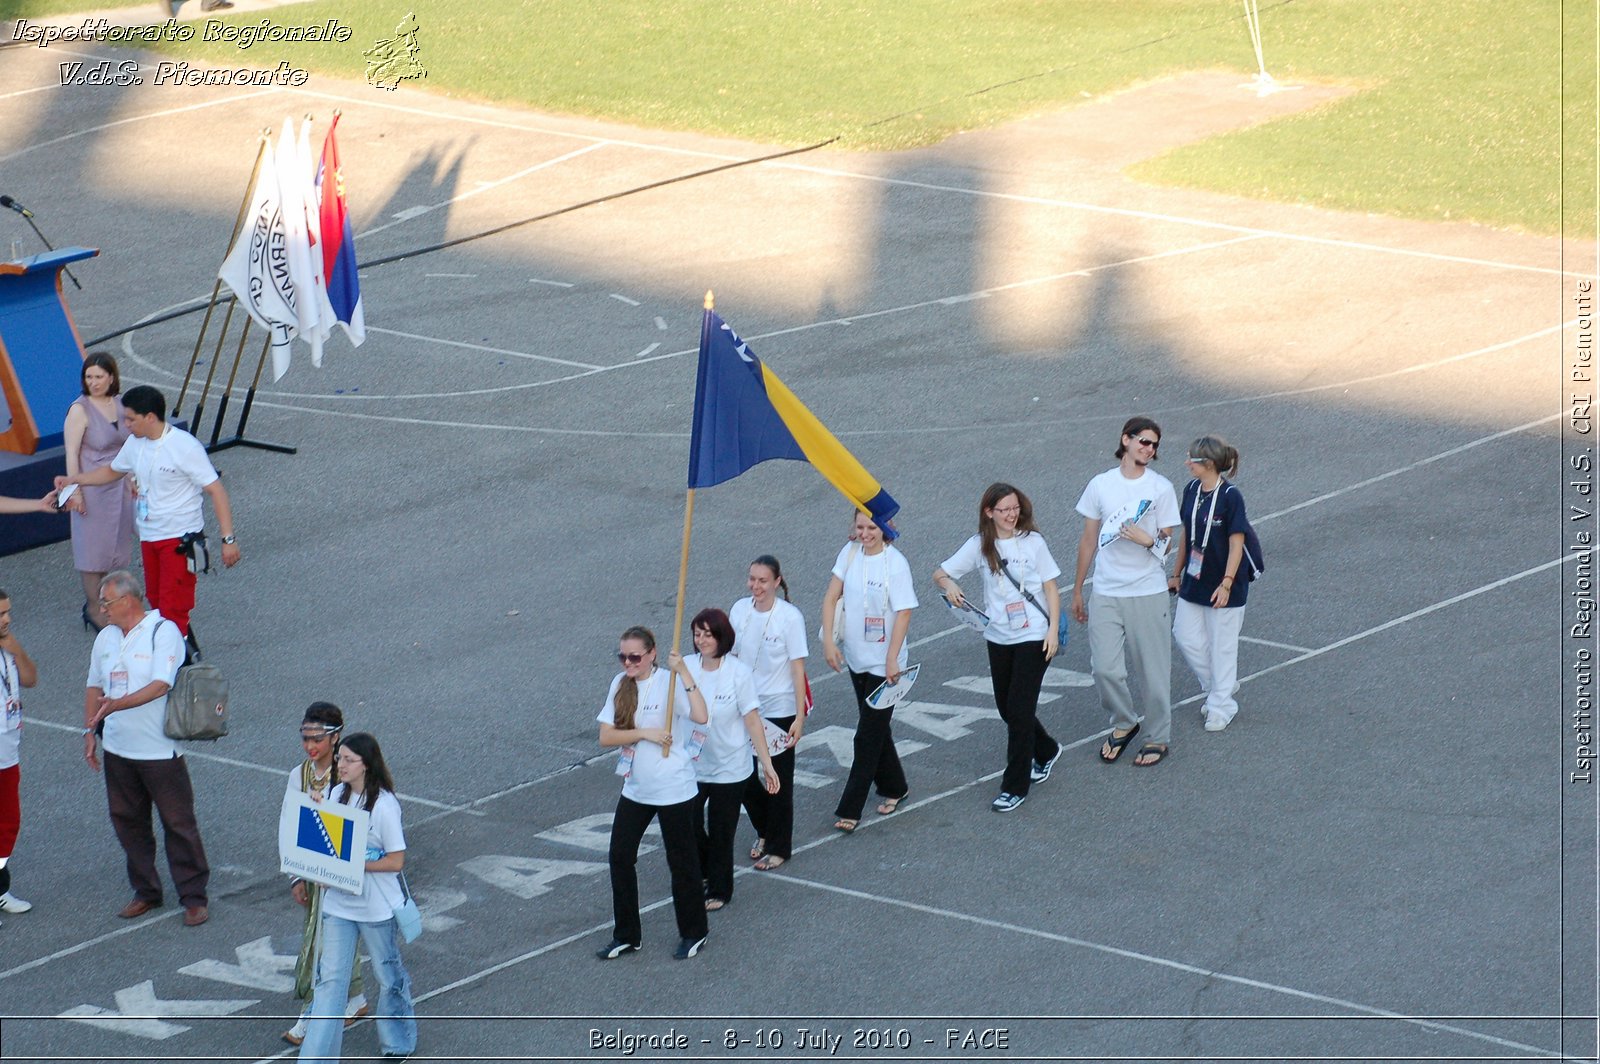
629	659
317	737
1146	443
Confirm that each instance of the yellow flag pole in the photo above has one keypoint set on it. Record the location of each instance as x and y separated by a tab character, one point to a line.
683	583
216	287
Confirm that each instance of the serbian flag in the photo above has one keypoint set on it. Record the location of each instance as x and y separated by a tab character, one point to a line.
339	243
743	415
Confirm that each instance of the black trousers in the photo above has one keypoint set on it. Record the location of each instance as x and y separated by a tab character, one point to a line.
133	788
1017	671
772	815
716	822
683	861
876	761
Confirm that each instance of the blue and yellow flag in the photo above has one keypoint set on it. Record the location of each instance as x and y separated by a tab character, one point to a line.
325	833
744	415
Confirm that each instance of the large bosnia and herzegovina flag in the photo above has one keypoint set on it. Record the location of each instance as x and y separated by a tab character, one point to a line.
743	415
339	242
328	834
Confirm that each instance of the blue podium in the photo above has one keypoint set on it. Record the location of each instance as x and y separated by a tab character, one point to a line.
41	366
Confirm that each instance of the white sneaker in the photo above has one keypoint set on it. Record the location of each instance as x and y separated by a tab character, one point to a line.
10	903
355	1009
1215	723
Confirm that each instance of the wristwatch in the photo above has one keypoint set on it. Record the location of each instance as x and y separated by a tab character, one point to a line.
228	541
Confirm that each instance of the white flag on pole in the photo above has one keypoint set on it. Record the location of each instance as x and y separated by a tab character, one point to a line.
256	268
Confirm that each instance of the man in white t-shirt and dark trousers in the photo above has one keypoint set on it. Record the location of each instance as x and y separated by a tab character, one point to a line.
16	672
132	667
1130	514
172	475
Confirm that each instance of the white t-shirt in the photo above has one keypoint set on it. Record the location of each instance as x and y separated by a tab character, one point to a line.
1012	618
11	711
380	891
767	642
876	587
730	693
653	779
170	475
120	665
1122	568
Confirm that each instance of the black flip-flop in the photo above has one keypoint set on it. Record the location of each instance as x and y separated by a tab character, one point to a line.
1118	743
1158	749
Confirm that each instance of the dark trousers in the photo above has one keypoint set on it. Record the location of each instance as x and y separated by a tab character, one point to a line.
876	761
677	838
772	815
716	822
132	787
1017	671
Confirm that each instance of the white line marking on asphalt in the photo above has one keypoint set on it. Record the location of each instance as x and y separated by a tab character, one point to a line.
241	97
647	350
625	299
486	186
959	190
1270	643
479	347
554	284
461	276
661	323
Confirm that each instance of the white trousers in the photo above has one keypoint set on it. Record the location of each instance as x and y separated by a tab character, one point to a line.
1209	641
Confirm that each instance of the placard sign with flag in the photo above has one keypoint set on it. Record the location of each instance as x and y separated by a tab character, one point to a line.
324	842
744	415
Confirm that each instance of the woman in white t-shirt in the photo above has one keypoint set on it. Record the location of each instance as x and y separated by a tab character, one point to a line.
722	768
657	769
770	637
319	737
1024	608
368	915
873	581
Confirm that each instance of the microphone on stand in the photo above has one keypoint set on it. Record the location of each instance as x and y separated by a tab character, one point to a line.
11	204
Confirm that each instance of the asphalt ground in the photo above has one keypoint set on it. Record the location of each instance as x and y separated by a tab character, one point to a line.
1382	858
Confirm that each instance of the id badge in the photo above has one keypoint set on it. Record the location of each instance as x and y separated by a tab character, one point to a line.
1193	568
1017	614
13	714
874	631
625	762
117	684
696	743
141	507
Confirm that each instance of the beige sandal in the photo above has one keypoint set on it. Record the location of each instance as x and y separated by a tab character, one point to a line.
845	824
769	862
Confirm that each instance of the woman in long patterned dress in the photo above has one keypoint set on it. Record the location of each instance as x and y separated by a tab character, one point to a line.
102	517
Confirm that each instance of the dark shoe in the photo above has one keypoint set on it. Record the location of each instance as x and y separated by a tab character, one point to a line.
1117	743
1007	802
616	949
1150	754
1041	769
195	915
138	907
688	947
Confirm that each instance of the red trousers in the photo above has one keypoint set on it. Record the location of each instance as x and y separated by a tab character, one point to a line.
10	808
168	583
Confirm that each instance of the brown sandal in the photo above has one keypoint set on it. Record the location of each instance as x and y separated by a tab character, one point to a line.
889	805
845	824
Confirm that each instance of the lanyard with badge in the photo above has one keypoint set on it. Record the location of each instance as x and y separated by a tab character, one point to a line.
875	629
625	758
1197	554
740	642
13	703
143	477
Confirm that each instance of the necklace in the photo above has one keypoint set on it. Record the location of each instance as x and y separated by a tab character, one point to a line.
317	785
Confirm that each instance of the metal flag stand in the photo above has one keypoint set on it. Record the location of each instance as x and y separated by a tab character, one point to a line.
1263	83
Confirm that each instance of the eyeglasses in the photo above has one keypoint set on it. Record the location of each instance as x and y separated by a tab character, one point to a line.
630	659
1005	509
1141	441
317	737
106	603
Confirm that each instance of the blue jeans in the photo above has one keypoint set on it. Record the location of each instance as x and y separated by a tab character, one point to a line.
397	1017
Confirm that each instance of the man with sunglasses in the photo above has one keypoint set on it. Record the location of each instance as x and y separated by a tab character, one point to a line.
1130	514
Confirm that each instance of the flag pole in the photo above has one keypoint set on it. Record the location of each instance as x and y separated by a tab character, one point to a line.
238	439
216	287
683	583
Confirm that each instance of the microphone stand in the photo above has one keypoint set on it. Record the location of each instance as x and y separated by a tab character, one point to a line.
28	217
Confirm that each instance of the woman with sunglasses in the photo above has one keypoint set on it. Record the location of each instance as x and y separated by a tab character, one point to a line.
723	767
1024	608
365	782
656	763
319	736
873	580
770	637
1211	591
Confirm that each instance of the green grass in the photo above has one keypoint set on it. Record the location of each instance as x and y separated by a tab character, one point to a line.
10	9
1458	116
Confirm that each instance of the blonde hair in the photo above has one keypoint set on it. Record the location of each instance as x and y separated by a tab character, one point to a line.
626	703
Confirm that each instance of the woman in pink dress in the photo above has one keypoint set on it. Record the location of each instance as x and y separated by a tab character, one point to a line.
102	517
